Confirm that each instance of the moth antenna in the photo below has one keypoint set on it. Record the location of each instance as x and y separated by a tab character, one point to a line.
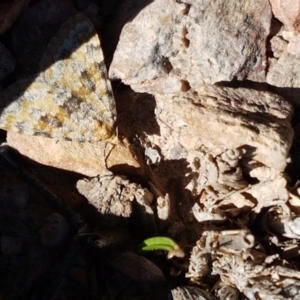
106	155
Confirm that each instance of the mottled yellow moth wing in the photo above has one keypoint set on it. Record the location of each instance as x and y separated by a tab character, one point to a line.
71	99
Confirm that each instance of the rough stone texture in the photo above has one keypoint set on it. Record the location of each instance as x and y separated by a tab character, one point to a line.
284	67
252	198
284	71
260	276
7	62
115	196
207	140
192	43
256	122
287	11
85	158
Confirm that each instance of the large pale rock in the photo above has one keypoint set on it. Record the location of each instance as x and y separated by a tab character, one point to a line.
287	11
170	46
114	195
284	68
256	122
284	71
85	158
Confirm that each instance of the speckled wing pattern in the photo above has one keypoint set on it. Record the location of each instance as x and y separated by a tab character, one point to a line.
71	99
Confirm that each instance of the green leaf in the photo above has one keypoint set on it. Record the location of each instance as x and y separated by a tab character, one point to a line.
161	243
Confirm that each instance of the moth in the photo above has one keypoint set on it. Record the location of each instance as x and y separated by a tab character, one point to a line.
71	98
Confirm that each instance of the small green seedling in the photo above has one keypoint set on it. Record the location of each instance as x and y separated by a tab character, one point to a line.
161	243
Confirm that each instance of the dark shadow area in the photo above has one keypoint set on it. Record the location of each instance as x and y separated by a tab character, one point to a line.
247	160
292	95
99	257
275	27
45	180
169	176
136	114
235	83
294	166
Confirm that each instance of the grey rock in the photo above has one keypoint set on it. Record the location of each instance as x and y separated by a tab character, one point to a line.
170	46
284	67
219	118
